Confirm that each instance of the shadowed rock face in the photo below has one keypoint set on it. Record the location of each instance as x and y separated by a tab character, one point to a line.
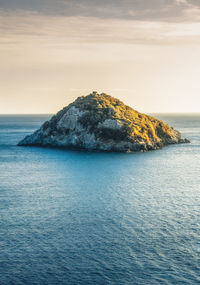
101	122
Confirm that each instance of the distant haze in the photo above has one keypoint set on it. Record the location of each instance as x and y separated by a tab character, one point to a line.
146	53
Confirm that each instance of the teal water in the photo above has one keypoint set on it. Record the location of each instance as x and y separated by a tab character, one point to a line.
69	217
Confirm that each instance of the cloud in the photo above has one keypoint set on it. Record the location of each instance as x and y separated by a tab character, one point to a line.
151	10
27	28
180	2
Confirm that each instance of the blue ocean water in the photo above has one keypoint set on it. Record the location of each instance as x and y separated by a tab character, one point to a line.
69	217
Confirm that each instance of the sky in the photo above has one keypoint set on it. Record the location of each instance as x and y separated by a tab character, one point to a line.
146	53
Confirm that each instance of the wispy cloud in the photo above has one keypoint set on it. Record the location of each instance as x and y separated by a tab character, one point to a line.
151	10
25	27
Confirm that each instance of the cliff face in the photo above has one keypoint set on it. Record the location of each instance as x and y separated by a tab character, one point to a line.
101	122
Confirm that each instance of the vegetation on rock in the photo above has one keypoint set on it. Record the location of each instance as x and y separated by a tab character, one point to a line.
135	126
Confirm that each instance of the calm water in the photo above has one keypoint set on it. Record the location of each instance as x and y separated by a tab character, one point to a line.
70	217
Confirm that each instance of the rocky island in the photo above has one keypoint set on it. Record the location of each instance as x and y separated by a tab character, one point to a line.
102	122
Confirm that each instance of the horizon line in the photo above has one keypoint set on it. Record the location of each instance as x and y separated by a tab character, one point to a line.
45	114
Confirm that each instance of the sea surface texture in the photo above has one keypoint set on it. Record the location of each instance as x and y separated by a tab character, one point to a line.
74	217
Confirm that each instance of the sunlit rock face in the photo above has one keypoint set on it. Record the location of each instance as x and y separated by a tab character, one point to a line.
101	122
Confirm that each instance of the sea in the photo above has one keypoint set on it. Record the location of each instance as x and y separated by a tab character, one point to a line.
92	218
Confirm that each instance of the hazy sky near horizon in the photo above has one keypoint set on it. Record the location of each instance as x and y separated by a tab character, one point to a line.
146	53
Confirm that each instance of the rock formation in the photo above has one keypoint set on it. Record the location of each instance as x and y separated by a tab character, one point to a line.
101	122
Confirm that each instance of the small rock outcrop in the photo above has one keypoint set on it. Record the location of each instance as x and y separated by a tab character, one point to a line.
101	122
